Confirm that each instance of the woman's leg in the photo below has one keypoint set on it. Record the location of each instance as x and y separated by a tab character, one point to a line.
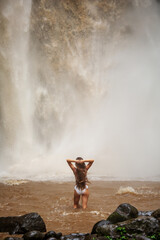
76	199
85	199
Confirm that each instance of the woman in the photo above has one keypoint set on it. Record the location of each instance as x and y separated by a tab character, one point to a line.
80	171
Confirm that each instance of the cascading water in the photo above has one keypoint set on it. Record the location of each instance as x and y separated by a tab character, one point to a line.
16	108
77	83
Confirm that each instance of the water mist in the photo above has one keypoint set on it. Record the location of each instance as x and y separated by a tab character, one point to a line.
98	99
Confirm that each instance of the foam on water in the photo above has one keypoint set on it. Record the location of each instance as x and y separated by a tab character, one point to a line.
84	212
13	182
124	190
139	191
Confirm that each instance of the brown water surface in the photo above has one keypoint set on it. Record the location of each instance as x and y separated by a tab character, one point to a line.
54	201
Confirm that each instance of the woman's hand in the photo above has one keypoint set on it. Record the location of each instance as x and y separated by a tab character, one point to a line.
70	160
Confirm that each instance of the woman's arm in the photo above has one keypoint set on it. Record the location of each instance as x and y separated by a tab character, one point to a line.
69	161
79	161
90	162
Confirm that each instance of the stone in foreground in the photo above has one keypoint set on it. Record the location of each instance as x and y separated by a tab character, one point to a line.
22	224
145	225
125	211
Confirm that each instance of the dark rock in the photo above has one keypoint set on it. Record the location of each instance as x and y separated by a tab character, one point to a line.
145	225
13	238
91	237
33	235
22	224
58	235
64	237
98	224
124	212
107	230
32	221
156	214
50	234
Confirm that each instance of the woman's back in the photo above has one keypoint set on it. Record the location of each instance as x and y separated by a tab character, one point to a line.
81	177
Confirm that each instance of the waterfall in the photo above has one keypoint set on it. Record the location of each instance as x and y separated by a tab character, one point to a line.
79	80
17	108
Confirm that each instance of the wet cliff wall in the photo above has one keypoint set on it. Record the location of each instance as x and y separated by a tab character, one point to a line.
79	78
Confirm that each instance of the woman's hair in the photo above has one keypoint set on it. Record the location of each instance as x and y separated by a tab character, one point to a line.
81	174
79	158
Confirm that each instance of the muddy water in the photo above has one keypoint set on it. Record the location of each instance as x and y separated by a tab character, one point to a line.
53	201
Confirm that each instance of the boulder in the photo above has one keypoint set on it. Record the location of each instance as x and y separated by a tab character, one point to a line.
50	234
124	212
107	230
144	225
91	237
33	235
156	214
98	224
58	235
22	224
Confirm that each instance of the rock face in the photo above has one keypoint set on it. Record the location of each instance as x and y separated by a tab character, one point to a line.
99	224
22	224
142	225
127	223
156	214
124	212
52	234
76	21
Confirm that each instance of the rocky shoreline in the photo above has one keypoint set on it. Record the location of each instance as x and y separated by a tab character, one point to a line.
125	223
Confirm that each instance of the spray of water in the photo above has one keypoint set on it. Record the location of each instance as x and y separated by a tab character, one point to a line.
103	104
